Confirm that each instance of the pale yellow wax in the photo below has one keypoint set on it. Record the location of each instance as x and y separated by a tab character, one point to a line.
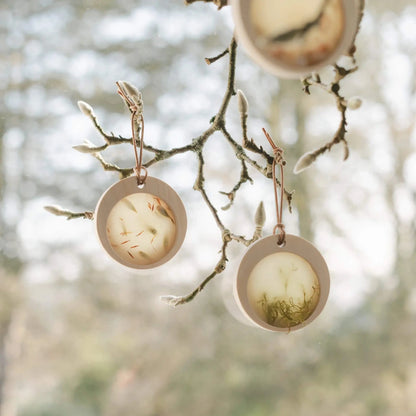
272	17
280	282
141	228
312	45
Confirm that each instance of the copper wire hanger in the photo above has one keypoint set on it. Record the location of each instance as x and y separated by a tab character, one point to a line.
278	160
136	115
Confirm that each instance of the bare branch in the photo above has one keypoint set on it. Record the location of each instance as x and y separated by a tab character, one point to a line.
219	268
70	215
244	177
124	173
218	123
210	61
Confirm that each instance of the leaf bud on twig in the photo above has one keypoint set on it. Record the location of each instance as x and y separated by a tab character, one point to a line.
133	94
260	216
53	209
242	103
86	109
88	147
304	162
171	300
354	103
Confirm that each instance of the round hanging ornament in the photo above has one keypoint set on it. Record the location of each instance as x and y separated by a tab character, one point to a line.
140	221
294	38
282	282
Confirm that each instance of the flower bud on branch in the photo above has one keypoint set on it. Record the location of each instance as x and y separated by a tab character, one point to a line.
59	211
260	216
86	109
354	103
133	94
242	103
304	162
88	147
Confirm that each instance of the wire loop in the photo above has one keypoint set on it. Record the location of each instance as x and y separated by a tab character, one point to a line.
278	160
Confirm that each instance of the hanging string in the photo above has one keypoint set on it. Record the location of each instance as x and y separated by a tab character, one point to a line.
136	117
278	160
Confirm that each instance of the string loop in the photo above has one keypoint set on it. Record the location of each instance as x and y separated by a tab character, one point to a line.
278	160
136	117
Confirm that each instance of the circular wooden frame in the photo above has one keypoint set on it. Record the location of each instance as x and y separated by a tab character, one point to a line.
246	35
127	187
265	247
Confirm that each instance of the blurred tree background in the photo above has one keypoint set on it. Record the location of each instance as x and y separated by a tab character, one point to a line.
79	336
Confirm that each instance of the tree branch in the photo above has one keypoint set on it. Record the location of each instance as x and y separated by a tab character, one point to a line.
333	88
70	215
218	123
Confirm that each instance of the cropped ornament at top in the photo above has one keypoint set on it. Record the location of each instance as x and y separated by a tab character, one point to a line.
293	38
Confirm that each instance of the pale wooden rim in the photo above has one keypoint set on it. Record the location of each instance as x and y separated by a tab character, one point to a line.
127	187
244	33
265	247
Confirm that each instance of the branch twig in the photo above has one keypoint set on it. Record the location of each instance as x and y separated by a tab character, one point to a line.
218	123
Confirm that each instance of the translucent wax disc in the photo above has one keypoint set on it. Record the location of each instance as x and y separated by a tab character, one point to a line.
293	38
283	289
141	228
306	33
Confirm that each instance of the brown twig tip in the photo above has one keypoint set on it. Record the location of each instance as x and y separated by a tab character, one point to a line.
210	61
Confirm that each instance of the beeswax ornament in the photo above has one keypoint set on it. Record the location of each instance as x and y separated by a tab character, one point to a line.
282	282
293	38
140	221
